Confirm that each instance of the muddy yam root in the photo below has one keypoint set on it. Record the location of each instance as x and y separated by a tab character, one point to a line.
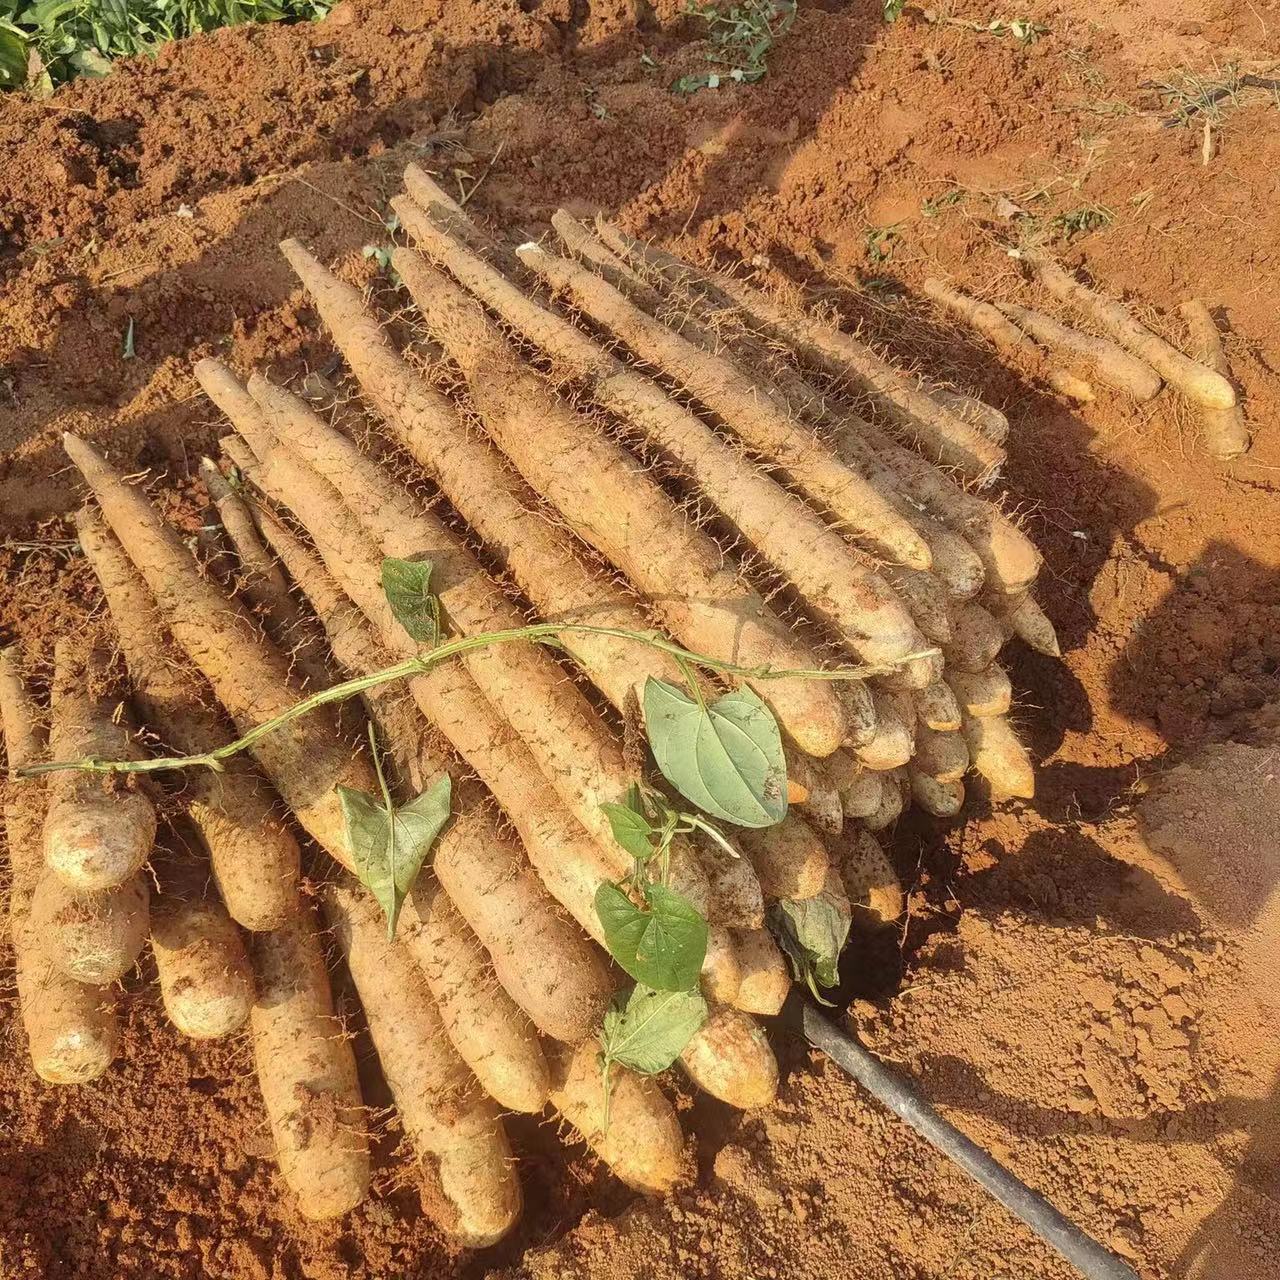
96	835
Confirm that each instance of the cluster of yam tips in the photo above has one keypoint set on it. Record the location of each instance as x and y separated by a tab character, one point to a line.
633	443
1123	354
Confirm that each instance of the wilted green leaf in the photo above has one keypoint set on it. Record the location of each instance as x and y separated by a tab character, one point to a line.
389	846
726	758
812	932
407	585
647	1030
661	945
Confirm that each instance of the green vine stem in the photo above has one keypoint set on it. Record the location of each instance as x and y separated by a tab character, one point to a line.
538	632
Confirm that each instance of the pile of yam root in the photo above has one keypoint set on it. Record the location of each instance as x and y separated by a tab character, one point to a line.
586	431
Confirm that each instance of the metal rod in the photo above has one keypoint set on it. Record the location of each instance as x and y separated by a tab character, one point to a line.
1080	1249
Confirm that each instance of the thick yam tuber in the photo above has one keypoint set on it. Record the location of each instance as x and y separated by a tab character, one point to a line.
205	979
71	1028
982	416
976	638
863	795
95	836
982	693
641	1142
999	756
936	706
729	1057
765	980
307	1072
491	1033
1225	433
892	803
941	799
445	1116
869	878
943	756
92	937
252	851
1026	620
1203	385
895	736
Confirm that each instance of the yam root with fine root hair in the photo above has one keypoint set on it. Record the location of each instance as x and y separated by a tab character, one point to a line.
250	677
869	878
991	321
71	1028
95	837
1199	383
307	1072
252	852
982	693
205	980
827	572
638	1136
1225	433
491	1033
1108	362
446	1119
912	415
998	755
489	880
612	502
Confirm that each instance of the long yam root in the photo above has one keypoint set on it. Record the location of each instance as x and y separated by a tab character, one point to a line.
1110	363
71	1028
445	1116
253	853
251	678
1225	433
307	1072
1203	385
912	415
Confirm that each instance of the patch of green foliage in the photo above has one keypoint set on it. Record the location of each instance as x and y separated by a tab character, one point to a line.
741	37
45	43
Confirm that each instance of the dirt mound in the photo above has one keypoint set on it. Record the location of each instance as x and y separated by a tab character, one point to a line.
1084	1003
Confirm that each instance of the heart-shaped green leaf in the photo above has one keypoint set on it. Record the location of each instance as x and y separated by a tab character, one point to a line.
662	946
389	846
407	586
647	1030
630	827
726	758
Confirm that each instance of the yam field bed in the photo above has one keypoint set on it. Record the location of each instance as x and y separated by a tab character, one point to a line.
709	342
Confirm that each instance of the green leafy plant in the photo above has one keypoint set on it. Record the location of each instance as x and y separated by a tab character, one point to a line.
741	37
661	944
726	757
45	43
881	242
1080	221
646	1031
934	206
812	933
892	9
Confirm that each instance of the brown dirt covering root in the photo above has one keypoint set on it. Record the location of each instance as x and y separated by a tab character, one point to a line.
1080	988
